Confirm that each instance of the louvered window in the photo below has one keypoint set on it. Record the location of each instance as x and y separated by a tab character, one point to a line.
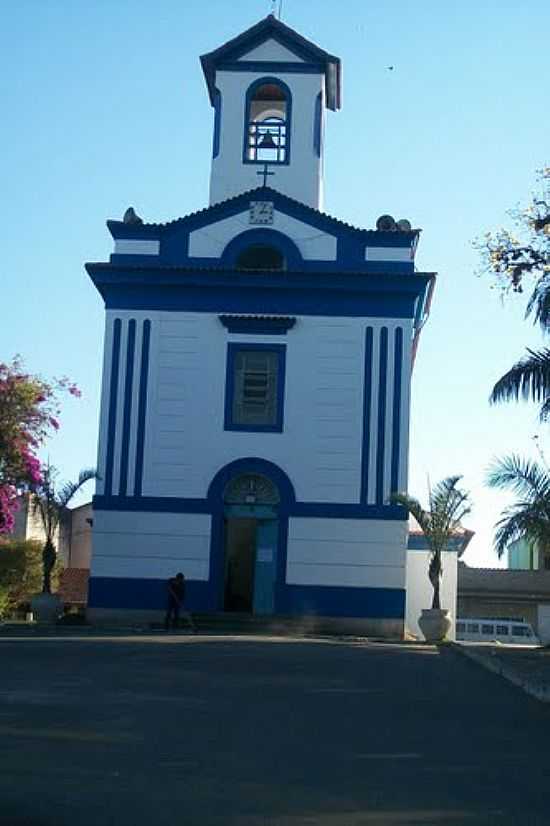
255	397
255	384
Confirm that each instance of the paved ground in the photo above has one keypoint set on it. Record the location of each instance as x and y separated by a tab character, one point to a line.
209	731
529	662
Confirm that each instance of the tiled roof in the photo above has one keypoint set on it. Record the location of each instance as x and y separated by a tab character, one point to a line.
268	27
501	581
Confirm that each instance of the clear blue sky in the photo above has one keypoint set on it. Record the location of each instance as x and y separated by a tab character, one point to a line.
104	105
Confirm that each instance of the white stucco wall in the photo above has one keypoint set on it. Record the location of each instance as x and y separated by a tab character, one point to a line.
301	178
313	244
420	591
346	552
185	440
150	545
271	50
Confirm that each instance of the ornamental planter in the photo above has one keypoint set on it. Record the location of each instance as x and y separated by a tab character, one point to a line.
435	624
46	607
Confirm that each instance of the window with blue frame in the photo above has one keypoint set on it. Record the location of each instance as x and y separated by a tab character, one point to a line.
254	394
267	123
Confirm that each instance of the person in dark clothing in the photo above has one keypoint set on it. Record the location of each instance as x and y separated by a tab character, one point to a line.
175	609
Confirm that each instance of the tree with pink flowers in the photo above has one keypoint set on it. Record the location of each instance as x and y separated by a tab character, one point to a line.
29	413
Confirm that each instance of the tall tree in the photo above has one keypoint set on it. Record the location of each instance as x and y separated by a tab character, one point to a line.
517	262
529	517
51	503
448	505
29	411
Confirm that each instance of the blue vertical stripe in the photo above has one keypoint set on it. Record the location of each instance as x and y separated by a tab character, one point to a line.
128	387
381	416
318	125
142	406
396	434
217	123
367	401
113	398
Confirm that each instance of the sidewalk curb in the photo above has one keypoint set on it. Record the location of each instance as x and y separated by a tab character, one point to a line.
535	688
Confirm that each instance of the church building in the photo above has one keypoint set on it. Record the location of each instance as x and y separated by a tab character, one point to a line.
257	367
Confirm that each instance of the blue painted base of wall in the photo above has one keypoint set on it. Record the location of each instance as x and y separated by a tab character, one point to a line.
322	600
291	600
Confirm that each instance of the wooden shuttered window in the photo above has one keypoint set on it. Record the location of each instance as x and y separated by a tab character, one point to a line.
255	387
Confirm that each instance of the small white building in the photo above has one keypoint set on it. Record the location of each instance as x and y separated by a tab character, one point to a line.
257	368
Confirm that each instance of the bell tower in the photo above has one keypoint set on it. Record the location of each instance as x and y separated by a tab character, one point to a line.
270	89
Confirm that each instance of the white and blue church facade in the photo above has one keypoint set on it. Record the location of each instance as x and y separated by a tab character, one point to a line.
257	369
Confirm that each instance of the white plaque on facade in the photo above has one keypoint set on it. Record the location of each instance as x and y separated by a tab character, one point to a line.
265	555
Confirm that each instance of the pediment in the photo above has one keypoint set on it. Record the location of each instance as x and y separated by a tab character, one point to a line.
271	50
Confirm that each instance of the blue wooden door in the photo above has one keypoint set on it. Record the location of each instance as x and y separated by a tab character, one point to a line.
266	566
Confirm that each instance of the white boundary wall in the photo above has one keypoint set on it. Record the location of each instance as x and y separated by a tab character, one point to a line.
420	591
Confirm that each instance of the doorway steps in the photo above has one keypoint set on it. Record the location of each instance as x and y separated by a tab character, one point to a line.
236	623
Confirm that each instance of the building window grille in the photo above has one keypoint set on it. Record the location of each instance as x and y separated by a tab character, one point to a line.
267	127
255	387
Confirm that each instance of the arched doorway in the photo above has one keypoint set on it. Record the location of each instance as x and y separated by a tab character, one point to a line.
251	530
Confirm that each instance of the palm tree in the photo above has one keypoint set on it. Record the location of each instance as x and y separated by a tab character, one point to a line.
51	504
448	505
529	378
529	517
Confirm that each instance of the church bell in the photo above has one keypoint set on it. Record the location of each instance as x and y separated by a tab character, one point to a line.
267	142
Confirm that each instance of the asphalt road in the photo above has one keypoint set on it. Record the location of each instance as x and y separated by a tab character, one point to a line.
209	731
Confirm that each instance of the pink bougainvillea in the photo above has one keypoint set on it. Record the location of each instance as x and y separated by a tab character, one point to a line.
29	411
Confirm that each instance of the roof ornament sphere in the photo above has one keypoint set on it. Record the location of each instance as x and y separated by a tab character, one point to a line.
130	217
403	225
386	223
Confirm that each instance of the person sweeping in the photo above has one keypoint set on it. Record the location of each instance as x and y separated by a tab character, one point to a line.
176	600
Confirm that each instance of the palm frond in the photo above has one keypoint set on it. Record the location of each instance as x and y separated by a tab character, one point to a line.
523	476
70	489
539	303
448	506
528	379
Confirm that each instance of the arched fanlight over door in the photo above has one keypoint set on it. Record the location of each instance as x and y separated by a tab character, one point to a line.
251	489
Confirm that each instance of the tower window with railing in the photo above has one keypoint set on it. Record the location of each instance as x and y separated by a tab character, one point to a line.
267	122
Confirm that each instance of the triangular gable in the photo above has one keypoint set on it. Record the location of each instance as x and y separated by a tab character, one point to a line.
272	29
271	50
283	203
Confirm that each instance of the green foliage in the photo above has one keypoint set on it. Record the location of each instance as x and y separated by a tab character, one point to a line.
51	502
20	573
528	379
529	517
29	407
448	505
513	261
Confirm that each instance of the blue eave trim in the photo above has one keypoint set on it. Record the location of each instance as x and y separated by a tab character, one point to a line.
286	67
233	348
173	504
249	325
281	293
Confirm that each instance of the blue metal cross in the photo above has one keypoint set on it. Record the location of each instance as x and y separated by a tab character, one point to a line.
265	173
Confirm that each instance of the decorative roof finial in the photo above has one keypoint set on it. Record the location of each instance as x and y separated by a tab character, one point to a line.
130	217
